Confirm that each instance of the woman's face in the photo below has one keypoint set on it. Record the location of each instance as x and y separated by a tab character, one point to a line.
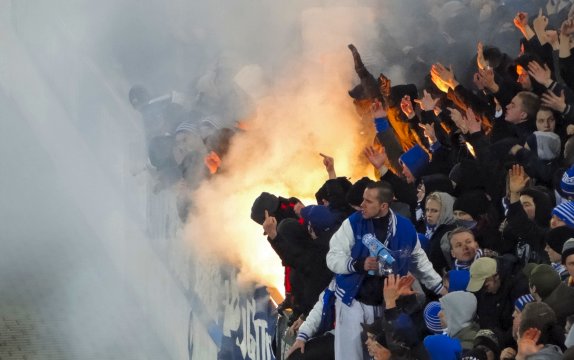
432	211
545	121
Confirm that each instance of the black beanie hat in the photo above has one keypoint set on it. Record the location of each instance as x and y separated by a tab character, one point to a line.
294	232
265	201
556	237
355	193
474	203
437	182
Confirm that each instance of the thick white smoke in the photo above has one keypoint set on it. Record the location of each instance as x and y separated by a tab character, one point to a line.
79	221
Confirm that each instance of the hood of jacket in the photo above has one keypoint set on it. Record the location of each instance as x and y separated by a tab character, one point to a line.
548	352
459	308
446	215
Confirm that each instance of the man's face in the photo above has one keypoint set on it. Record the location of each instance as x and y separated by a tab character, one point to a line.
432	211
492	284
371	207
545	121
442	318
523	78
553	255
461	215
516	317
463	246
555	222
528	206
409	177
569	263
514	113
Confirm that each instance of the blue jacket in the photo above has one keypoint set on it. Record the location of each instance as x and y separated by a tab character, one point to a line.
347	247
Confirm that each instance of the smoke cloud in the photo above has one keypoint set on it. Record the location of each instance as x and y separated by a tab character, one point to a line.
89	248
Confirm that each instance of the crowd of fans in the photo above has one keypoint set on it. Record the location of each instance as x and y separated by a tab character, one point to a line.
464	247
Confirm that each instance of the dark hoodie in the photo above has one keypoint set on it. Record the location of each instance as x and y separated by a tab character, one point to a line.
525	237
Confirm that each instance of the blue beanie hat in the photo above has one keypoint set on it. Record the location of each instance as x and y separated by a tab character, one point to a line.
432	320
416	160
521	302
458	280
442	347
567	182
319	217
565	212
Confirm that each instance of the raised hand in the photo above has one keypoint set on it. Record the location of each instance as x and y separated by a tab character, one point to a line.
567	27
385	86
405	285
458	120
528	343
407	107
553	101
427	103
270	226
395	287
521	21
486	78
376	158
378	110
329	163
541	74
517	179
446	75
429	132
473	123
551	7
480	61
539	24
212	161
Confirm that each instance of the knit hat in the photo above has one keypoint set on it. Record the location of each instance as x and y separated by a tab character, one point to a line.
437	182
458	280
416	160
567	250
488	339
565	212
265	201
432	321
467	175
442	347
355	193
376	328
398	92
567	182
319	217
473	203
545	144
556	237
536	315
474	354
293	232
480	270
544	278
521	302
340	183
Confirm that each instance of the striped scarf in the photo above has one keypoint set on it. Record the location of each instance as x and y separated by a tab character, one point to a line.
465	265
